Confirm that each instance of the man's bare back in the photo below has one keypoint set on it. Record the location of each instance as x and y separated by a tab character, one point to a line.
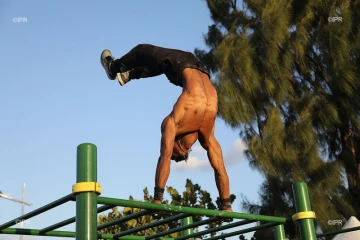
193	116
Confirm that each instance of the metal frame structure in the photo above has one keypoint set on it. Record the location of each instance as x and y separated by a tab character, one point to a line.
86	194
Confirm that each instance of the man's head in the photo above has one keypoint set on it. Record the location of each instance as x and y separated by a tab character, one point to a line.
180	153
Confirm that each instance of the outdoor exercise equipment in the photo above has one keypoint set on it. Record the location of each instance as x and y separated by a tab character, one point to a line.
86	193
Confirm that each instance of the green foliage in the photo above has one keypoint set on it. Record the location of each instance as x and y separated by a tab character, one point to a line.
192	196
288	79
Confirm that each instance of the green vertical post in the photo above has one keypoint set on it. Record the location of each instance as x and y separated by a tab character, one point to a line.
302	204
86	202
184	222
279	232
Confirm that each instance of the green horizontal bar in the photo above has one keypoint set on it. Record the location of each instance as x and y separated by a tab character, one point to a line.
36	232
190	210
58	225
216	229
123	219
153	224
72	220
338	231
334	232
178	229
24	231
38	211
262	226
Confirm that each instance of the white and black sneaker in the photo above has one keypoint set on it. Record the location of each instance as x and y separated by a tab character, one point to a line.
106	59
123	77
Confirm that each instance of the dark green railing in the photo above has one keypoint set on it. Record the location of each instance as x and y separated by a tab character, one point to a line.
87	210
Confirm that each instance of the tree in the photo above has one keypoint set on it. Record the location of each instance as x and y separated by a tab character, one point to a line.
193	196
287	78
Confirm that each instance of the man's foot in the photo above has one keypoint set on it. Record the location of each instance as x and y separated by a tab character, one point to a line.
106	59
123	77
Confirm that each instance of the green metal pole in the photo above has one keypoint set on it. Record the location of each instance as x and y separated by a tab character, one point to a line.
279	232
338	231
184	222
71	220
65	234
86	202
151	225
38	211
178	229
190	210
302	204
123	219
217	229
226	235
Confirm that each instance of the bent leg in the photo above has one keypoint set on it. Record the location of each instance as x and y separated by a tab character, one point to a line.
130	60
136	61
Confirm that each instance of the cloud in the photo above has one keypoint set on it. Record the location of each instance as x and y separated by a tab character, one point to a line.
234	156
193	163
197	149
236	153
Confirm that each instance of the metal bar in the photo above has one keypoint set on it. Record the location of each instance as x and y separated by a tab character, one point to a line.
184	222
216	229
334	232
262	226
123	219
37	211
178	229
58	225
86	217
72	220
153	224
36	232
302	204
14	199
22	208
196	211
338	231
279	232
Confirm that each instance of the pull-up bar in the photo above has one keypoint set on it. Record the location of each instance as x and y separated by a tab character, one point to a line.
86	193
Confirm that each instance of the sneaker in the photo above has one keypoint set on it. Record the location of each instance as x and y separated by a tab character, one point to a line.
123	77
106	59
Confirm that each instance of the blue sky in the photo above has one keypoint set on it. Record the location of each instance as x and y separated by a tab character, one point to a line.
55	95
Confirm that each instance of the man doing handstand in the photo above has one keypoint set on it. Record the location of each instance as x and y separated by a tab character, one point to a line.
193	115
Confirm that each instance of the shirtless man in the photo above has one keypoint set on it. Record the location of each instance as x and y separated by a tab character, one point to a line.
193	115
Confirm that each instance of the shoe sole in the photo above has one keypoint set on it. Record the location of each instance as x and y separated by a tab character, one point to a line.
104	65
120	79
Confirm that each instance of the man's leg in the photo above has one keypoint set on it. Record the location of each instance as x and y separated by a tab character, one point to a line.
130	66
